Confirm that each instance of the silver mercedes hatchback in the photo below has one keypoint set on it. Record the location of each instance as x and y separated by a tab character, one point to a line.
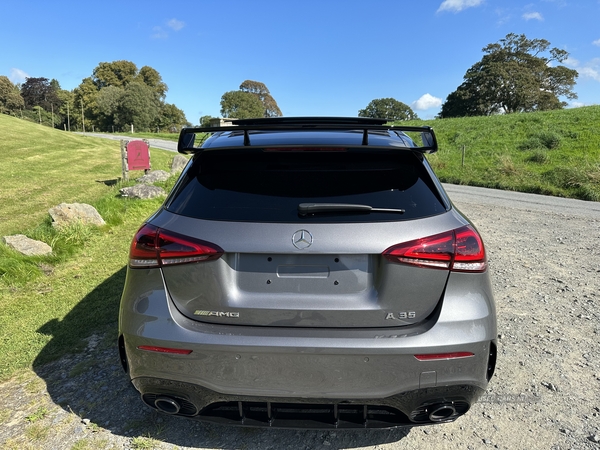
308	273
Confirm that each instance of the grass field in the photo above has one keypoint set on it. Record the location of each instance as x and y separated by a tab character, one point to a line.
48	305
553	153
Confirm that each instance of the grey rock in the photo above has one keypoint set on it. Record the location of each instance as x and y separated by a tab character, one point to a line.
142	191
27	246
154	176
69	213
178	164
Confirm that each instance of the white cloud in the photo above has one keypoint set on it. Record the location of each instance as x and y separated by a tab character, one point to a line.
571	62
589	72
533	16
175	24
17	75
458	5
159	33
596	42
427	101
590	69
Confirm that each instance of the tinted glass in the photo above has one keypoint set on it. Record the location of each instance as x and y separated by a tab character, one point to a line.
264	186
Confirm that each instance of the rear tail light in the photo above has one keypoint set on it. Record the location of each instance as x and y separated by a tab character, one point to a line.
155	247
459	250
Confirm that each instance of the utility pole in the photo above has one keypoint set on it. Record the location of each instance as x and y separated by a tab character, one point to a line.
68	118
82	118
52	107
40	114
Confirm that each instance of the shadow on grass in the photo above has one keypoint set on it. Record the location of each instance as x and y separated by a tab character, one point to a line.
83	375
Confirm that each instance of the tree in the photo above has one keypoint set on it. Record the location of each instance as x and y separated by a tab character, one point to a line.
40	92
241	105
171	118
515	74
10	97
262	92
116	73
388	108
108	102
66	108
138	106
111	99
150	77
205	121
85	96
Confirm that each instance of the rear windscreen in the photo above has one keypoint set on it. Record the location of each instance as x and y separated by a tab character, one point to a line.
267	186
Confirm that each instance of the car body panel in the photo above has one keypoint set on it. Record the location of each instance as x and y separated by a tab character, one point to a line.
247	360
298	308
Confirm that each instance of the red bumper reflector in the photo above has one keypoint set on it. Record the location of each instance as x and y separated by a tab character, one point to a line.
176	351
438	356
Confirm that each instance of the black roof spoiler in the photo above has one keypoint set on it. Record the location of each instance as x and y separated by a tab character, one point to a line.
187	137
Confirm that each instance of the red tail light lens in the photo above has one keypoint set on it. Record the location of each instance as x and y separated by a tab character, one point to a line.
470	253
155	247
458	250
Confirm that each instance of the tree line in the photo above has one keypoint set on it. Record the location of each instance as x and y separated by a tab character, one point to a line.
116	97
515	74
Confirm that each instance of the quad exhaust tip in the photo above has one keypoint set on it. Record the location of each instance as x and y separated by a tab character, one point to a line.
167	405
442	412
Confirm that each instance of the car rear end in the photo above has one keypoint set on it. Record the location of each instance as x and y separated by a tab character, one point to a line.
308	278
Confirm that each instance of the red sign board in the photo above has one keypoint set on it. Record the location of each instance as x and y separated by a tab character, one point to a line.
138	155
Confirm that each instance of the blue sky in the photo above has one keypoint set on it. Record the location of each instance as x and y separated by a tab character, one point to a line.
326	57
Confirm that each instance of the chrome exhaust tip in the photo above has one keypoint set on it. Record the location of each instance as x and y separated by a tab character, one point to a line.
442	412
167	405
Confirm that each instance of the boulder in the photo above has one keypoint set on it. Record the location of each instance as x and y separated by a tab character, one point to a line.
179	163
69	213
142	191
153	177
27	246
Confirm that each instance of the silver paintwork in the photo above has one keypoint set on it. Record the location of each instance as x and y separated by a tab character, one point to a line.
279	362
308	311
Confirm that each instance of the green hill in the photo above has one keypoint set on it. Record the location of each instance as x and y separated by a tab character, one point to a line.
41	167
550	152
39	295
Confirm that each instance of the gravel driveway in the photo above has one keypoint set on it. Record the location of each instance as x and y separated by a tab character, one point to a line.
544	254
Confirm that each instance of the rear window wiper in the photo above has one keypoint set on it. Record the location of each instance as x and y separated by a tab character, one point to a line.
305	209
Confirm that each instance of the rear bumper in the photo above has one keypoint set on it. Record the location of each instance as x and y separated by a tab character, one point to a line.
291	363
412	408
